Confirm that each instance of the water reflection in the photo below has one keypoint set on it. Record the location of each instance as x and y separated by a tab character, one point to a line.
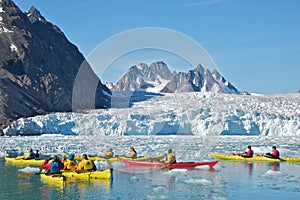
275	166
249	167
170	183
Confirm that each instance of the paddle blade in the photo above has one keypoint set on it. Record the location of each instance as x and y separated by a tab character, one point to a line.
25	175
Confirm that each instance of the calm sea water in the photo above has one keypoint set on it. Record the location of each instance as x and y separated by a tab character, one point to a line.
228	180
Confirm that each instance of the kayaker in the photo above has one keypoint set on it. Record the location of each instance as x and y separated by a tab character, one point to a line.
274	154
109	153
133	153
171	157
86	164
249	153
52	166
29	155
70	163
36	155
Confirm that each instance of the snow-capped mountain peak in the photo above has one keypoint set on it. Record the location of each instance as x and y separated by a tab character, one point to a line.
158	78
144	77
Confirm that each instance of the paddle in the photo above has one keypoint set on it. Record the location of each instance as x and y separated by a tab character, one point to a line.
270	157
19	157
28	174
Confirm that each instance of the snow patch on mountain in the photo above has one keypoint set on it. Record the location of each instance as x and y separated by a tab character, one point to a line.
181	113
13	47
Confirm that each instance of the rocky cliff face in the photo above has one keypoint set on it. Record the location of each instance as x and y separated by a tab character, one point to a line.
157	77
38	66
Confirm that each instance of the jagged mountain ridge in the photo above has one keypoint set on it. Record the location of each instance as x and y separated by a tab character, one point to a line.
158	78
38	66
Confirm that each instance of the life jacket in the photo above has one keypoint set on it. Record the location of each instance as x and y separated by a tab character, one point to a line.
275	153
171	158
71	163
54	169
133	154
88	164
249	153
31	155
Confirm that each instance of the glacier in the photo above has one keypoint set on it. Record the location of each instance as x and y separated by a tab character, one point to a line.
194	113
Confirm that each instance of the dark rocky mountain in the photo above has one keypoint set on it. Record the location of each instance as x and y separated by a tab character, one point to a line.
158	78
38	67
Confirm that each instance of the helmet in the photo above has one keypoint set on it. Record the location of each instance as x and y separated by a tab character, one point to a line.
71	156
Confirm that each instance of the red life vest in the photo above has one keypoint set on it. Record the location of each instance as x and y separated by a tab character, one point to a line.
275	153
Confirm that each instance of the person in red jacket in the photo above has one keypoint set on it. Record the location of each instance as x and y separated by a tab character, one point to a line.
249	153
52	166
274	154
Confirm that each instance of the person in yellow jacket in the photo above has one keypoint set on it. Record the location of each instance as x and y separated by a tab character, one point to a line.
86	164
29	155
171	157
70	163
109	153
133	153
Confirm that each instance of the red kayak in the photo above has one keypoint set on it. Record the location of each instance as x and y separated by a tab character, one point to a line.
191	164
157	164
139	163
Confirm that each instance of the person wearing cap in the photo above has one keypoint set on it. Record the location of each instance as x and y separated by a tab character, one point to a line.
274	154
109	153
133	153
86	164
171	157
249	153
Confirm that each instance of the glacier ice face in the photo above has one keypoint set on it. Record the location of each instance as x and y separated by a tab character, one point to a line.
181	113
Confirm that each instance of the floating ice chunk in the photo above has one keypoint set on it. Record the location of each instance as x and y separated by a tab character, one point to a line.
178	170
159	189
272	173
101	165
202	167
30	169
156	197
199	181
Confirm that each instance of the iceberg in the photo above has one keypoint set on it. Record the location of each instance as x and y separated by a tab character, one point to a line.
192	113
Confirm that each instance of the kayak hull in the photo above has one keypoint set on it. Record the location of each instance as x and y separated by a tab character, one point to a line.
141	163
56	179
240	158
290	159
161	165
191	164
106	174
23	162
116	159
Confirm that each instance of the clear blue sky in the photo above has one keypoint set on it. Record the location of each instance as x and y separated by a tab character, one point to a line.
254	43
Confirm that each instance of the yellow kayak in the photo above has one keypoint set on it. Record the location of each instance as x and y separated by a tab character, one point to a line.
87	175
253	159
290	159
240	158
23	162
57	179
115	159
